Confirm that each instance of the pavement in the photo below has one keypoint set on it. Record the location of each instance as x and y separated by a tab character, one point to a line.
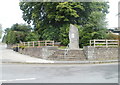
10	56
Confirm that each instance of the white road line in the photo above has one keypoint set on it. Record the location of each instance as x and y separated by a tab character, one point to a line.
17	79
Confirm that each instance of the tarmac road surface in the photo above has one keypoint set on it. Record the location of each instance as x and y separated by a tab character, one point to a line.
59	73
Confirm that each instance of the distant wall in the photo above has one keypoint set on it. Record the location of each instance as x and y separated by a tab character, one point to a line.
9	46
103	53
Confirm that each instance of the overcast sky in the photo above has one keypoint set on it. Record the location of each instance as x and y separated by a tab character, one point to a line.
10	13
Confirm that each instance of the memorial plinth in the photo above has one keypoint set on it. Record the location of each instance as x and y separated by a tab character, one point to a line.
73	38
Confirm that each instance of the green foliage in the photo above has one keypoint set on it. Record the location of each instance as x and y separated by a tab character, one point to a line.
52	19
10	37
22	47
17	33
64	32
32	37
113	36
21	27
62	47
50	34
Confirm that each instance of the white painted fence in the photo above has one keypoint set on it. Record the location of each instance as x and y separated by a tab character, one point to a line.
104	43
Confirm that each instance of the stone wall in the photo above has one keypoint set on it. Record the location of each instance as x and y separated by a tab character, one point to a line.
53	53
68	55
41	52
99	53
9	46
88	53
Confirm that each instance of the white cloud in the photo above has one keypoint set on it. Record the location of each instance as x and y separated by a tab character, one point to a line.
10	13
112	17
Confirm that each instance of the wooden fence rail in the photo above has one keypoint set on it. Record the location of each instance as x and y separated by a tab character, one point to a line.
104	43
37	43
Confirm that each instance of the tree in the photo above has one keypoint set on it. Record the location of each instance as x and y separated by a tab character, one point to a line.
17	33
52	19
11	37
113	36
32	36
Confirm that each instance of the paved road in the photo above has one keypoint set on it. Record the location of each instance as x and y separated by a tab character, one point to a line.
51	73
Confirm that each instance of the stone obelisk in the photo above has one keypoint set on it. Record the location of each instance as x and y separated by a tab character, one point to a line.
73	38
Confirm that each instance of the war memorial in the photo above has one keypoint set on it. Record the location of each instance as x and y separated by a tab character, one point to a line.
97	50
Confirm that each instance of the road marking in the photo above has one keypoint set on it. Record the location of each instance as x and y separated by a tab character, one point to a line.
17	79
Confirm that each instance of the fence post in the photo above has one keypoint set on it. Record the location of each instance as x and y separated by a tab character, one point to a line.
90	42
94	43
53	43
106	43
38	43
33	43
18	47
118	43
45	42
28	44
24	43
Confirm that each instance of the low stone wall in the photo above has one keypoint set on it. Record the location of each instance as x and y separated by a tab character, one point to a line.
41	52
88	53
9	46
100	53
53	53
68	55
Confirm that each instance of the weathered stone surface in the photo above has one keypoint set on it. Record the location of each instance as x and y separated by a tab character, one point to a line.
72	55
94	53
88	53
73	37
41	52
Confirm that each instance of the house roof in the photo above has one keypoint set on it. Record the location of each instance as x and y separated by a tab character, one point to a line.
114	30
